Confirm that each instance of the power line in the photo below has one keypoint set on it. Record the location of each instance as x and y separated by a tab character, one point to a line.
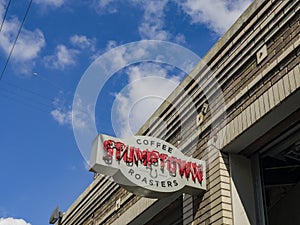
13	99
45	98
28	96
25	100
58	87
14	44
5	14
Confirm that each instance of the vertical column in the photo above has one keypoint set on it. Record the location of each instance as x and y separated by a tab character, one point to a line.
242	192
258	190
188	209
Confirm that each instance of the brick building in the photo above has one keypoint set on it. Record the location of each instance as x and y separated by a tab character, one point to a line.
253	161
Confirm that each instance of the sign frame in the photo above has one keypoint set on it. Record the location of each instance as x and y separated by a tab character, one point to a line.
147	166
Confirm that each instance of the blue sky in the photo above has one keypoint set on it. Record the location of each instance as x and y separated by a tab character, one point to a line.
41	166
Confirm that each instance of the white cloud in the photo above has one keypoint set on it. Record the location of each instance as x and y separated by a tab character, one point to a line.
218	15
152	26
55	3
82	114
149	85
104	3
12	221
29	43
180	38
63	114
83	42
110	45
62	57
105	6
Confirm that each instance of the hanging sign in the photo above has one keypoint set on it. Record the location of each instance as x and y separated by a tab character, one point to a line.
147	166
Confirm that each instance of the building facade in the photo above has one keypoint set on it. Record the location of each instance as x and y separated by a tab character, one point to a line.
245	123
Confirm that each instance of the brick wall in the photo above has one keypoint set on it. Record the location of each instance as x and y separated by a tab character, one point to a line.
250	90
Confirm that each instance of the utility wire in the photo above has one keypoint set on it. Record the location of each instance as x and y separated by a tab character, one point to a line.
27	99
48	81
14	44
14	98
21	88
5	14
27	96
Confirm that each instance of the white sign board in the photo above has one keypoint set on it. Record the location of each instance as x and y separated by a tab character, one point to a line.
147	166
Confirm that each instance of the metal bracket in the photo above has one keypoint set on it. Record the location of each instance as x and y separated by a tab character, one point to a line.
118	204
200	116
261	54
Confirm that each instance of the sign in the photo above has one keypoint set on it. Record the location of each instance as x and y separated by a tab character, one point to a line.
147	166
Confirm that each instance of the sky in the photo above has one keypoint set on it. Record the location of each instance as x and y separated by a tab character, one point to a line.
41	164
